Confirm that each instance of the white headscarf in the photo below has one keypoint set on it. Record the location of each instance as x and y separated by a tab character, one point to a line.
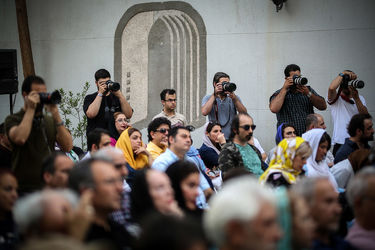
207	140
316	169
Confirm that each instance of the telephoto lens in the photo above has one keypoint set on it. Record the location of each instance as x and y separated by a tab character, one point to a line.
299	80
229	86
113	86
50	98
358	84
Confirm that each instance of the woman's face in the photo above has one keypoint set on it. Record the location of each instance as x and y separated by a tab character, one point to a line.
298	162
135	140
189	187
303	225
289	132
120	123
160	190
215	131
8	192
322	151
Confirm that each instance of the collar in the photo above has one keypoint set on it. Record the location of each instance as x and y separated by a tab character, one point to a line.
347	99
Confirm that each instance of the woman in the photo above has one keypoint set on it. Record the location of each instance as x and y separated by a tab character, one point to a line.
8	197
316	165
121	124
184	176
287	162
212	140
285	130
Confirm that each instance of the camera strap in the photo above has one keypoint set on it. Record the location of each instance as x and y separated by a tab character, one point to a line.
344	97
216	110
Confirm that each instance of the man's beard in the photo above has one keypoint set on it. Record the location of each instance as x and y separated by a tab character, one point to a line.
248	137
367	139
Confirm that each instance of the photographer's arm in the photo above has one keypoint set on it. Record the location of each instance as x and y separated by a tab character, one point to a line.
94	107
63	137
332	93
237	103
318	102
125	106
207	107
360	106
278	101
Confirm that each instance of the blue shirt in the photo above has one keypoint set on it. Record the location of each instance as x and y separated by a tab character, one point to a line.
346	149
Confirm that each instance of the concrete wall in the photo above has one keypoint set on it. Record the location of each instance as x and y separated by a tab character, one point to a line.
245	38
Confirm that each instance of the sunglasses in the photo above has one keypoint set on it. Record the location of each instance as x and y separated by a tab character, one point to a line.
291	132
247	127
162	130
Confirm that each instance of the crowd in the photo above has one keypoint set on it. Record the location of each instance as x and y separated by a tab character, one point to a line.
167	194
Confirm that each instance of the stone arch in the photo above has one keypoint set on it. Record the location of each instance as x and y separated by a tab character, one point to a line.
157	46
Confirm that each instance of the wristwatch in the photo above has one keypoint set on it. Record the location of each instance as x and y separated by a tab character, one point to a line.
341	74
309	94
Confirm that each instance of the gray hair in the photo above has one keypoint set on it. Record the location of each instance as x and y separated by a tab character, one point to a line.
311	119
239	200
306	187
358	186
108	153
29	210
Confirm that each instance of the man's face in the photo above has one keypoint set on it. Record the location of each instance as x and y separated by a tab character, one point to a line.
101	81
326	208
160	136
120	164
170	102
40	88
244	134
182	142
219	85
293	73
105	141
368	133
321	123
59	179
108	187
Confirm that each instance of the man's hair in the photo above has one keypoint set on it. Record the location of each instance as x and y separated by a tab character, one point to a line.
311	119
236	124
357	122
94	137
102	73
358	186
219	75
81	176
154	124
289	68
174	131
240	200
306	188
165	92
108	153
26	85
2	128
48	165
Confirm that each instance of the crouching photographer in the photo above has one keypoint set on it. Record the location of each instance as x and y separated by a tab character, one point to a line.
33	134
345	102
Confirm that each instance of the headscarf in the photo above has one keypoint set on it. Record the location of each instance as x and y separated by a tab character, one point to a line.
207	140
124	143
282	160
279	134
317	169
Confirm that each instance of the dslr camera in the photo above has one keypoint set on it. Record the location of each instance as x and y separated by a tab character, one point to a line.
346	82
229	86
112	86
299	80
50	98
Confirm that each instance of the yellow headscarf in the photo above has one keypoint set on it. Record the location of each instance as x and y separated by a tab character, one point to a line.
123	143
282	161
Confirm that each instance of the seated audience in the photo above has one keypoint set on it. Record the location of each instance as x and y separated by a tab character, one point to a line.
55	170
361	196
158	130
285	130
287	162
97	139
255	142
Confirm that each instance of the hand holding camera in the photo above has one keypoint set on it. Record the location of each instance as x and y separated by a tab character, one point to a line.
349	78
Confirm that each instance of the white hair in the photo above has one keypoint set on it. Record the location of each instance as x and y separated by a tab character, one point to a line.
306	187
358	186
29	210
108	153
239	200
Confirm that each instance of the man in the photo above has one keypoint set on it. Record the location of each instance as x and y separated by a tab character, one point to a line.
100	106
293	102
345	102
179	142
222	106
5	149
33	134
238	152
243	216
101	177
169	102
325	208
361	131
55	170
158	136
361	196
97	139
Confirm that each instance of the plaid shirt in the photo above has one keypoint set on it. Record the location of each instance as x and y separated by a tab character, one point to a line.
123	215
295	109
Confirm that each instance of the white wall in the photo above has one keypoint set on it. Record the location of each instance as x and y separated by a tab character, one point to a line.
246	39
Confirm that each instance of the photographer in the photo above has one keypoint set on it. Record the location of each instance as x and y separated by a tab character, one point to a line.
345	102
294	101
222	106
33	134
100	106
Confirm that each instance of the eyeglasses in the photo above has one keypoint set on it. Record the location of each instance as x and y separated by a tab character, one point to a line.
171	100
162	130
247	127
291	132
121	120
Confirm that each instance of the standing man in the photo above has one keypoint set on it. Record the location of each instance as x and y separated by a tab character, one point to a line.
345	102
100	106
293	102
33	135
222	106
238	152
169	102
158	136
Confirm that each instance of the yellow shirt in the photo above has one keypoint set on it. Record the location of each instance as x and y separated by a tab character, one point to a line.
155	150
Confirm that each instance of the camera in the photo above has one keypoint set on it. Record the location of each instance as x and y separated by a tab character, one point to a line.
299	80
229	86
50	98
358	84
112	86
